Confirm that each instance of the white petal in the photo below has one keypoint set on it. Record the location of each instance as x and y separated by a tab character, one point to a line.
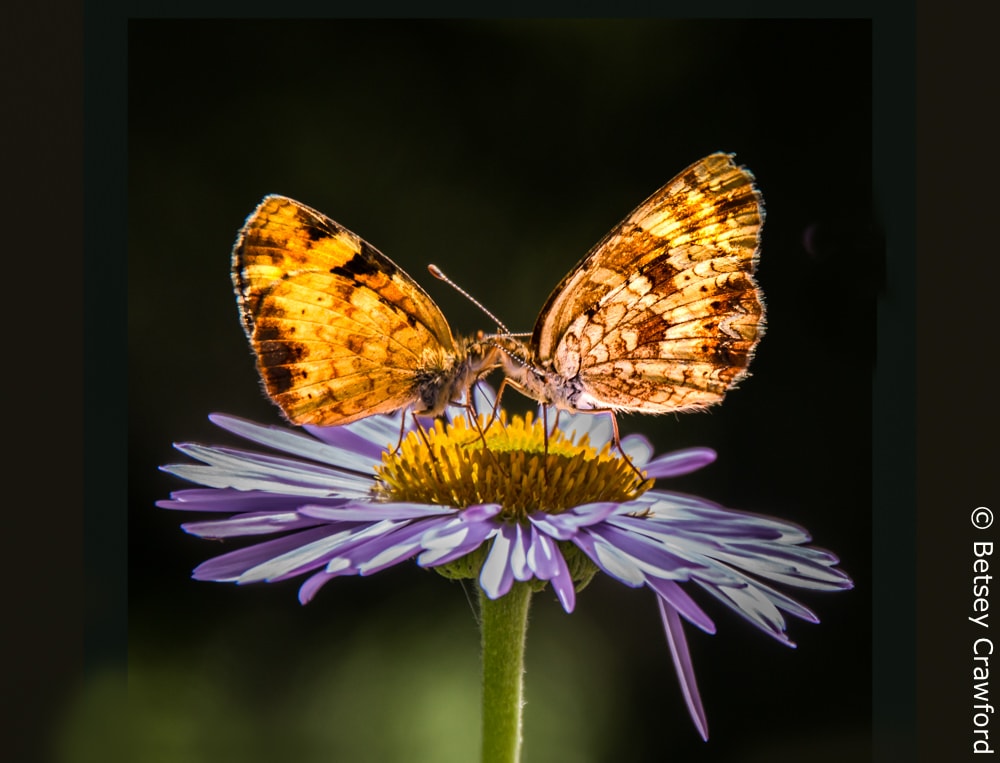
618	564
497	563
294	443
638	449
295	558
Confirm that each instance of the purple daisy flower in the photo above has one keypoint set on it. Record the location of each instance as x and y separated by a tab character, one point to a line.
347	501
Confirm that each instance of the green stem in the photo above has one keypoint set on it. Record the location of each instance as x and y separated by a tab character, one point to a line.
504	624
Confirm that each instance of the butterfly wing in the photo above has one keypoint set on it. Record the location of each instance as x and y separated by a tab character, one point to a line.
340	332
664	313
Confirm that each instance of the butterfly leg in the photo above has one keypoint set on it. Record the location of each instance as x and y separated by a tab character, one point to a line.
439	472
470	406
495	413
618	444
555	424
423	436
472	415
616	439
545	440
402	432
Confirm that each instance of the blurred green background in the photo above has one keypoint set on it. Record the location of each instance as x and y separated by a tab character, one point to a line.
500	151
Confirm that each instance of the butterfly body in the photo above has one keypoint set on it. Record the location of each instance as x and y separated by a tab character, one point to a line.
442	378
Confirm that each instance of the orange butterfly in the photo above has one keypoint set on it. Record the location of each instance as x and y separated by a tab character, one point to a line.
340	331
663	314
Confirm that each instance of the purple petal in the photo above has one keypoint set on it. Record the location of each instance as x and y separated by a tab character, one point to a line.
388	549
751	602
470	520
763	593
253	523
677	598
519	554
548	563
542	552
343	439
674	629
238	501
668	504
638	448
564	526
480	512
651	555
329	551
562	584
679	462
789	605
224	467
608	558
229	567
688	527
794	565
700	517
298	444
309	588
496	577
551	525
356	511
590	513
454	539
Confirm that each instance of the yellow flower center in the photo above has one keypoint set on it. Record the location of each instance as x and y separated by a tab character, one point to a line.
457	466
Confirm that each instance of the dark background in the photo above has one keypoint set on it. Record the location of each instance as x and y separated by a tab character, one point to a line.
500	151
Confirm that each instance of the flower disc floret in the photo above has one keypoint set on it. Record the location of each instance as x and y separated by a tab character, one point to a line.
453	464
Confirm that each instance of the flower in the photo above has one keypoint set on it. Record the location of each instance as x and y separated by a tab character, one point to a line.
505	504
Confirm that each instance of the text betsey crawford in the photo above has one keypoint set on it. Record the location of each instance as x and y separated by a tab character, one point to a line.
982	649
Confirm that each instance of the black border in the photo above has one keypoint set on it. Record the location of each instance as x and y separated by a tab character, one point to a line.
956	362
42	194
894	396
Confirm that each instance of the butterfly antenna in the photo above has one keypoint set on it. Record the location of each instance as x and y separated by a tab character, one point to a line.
517	357
439	274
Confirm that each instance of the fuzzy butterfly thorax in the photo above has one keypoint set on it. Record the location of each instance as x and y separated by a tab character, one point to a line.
442	377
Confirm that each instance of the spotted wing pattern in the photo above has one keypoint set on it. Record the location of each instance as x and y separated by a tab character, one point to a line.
340	332
664	314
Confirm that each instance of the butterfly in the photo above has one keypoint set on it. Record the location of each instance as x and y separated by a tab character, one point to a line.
663	314
339	331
